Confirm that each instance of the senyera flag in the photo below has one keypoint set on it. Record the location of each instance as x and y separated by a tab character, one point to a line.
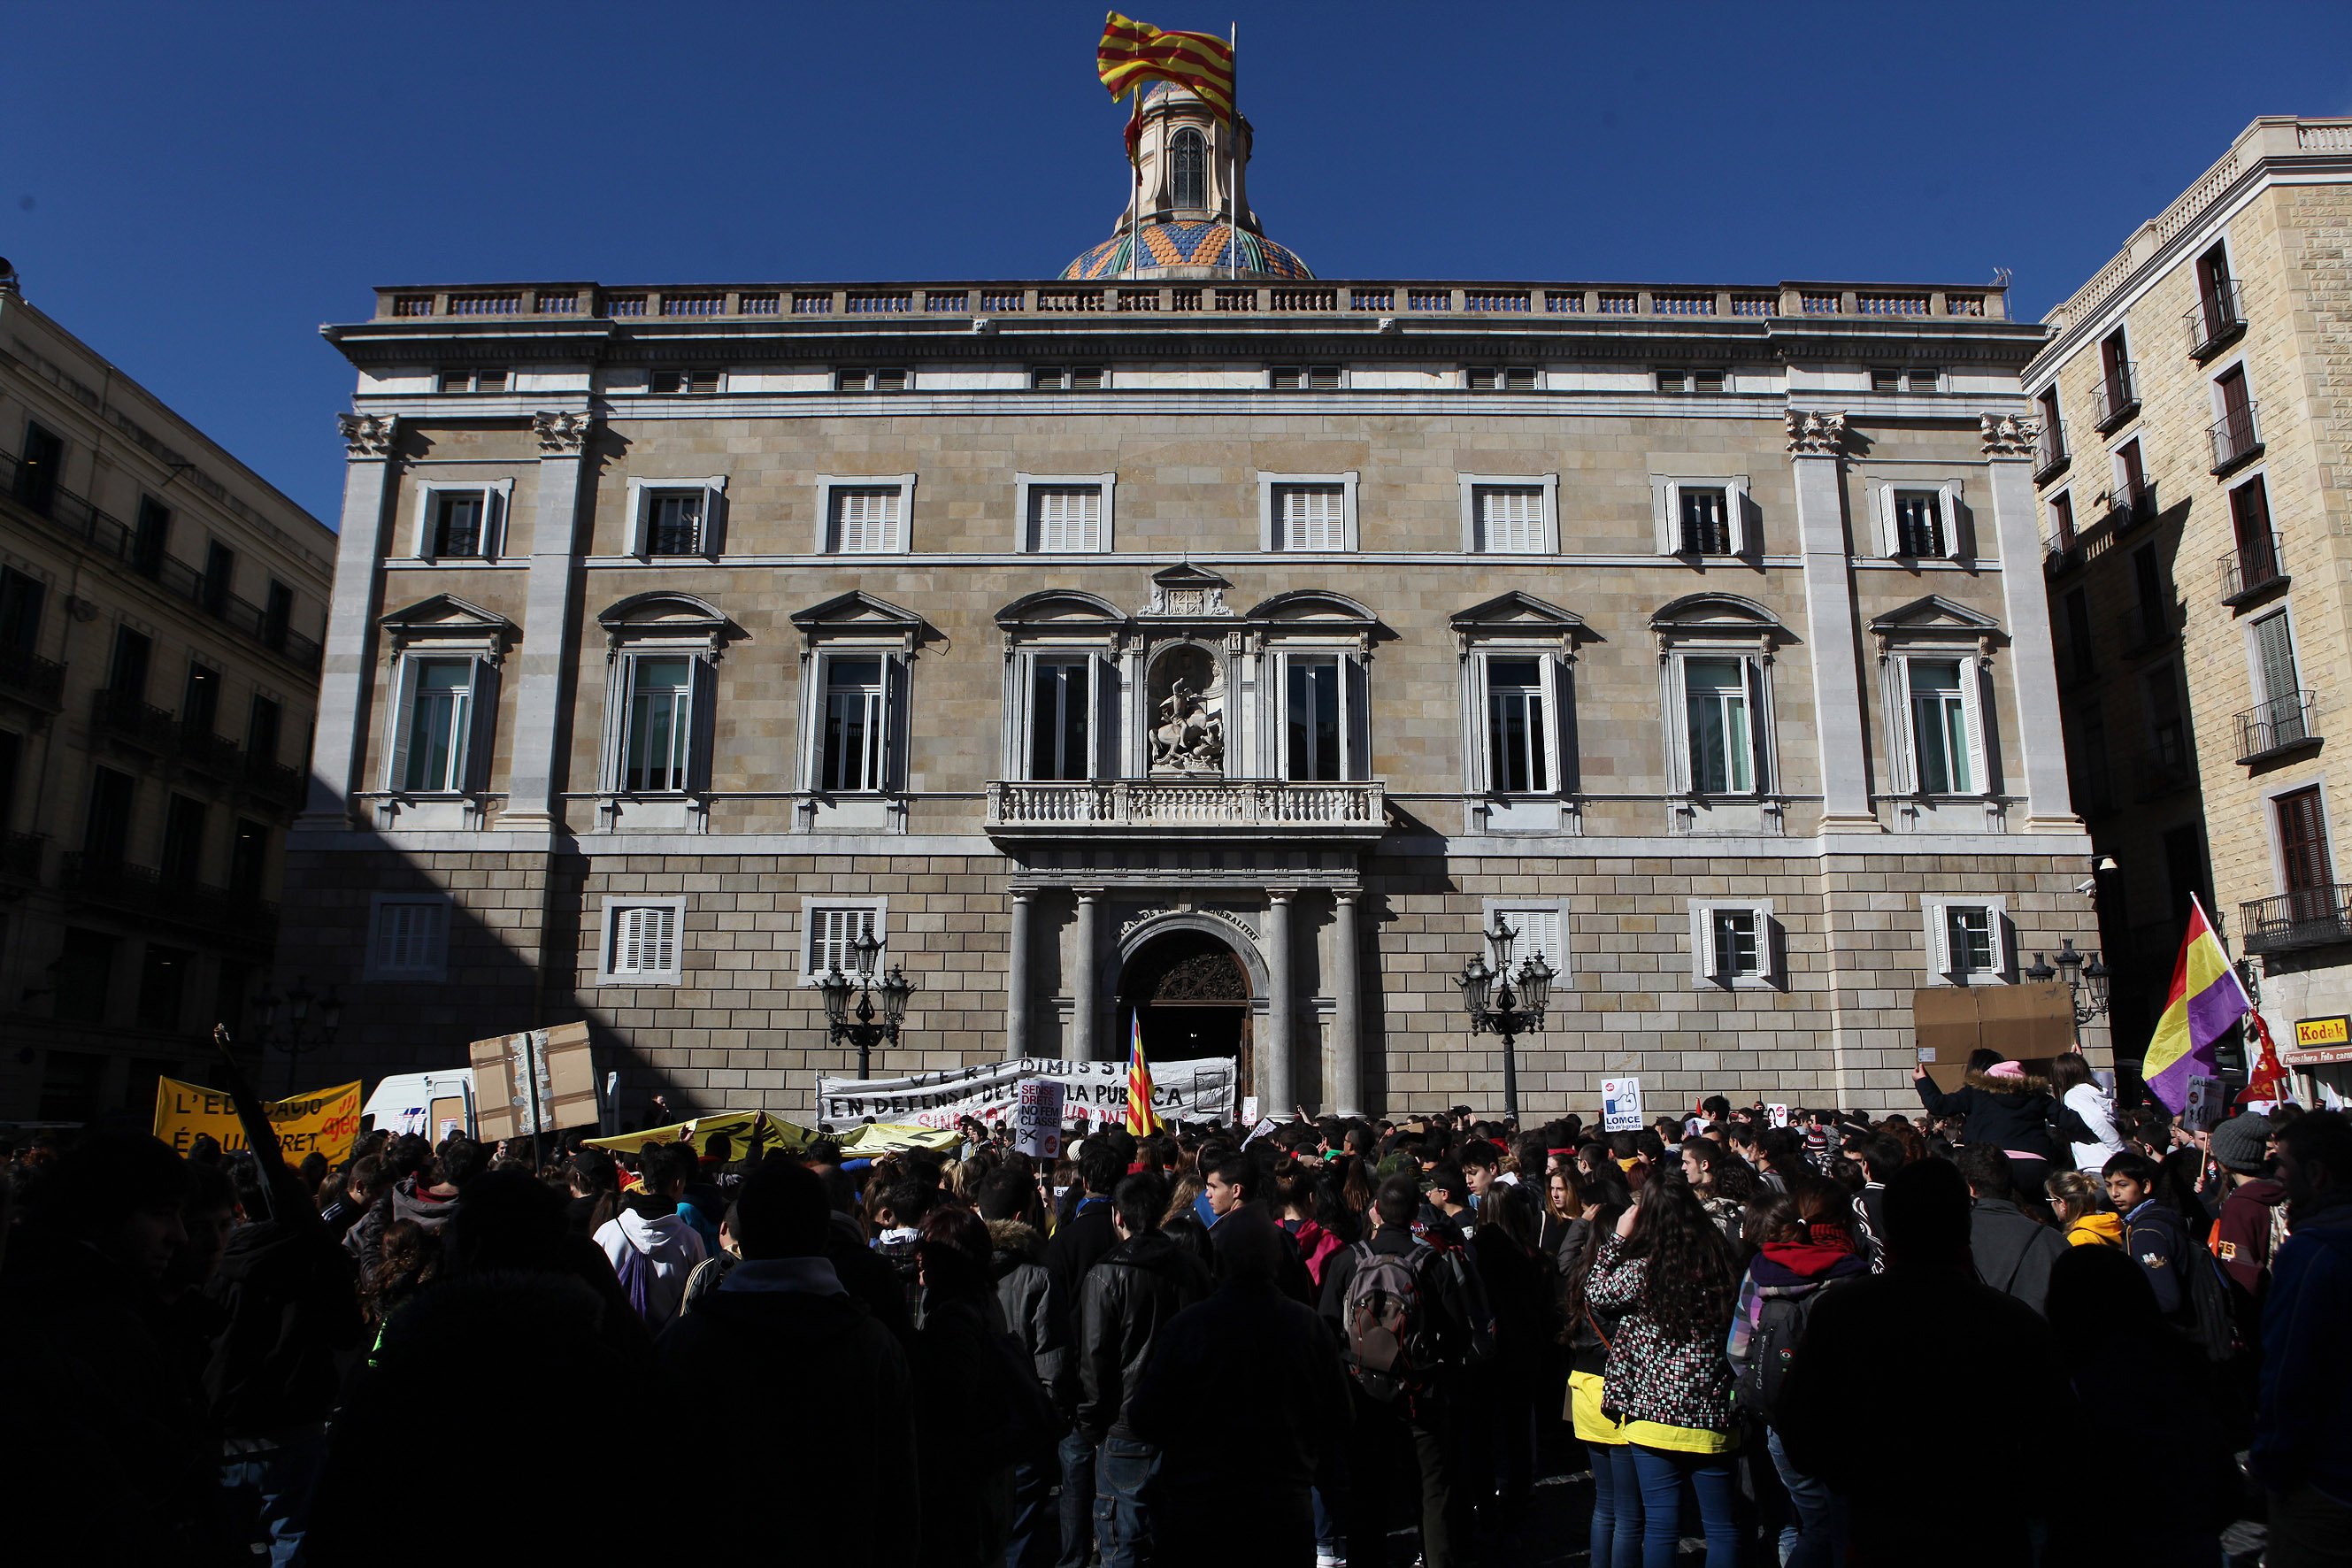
2206	1001
1142	1120
1132	53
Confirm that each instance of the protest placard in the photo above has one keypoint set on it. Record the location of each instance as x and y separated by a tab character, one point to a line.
1093	1092
1779	1113
324	1123
1621	1104
1037	1119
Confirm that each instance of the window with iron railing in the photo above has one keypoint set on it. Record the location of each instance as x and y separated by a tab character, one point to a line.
2218	315
2236	434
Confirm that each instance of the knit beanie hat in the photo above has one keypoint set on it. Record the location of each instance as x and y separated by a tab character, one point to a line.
2238	1143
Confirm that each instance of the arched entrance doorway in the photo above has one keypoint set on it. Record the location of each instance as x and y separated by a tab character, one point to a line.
1191	993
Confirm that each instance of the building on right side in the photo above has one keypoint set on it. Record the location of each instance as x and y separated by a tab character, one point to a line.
2195	408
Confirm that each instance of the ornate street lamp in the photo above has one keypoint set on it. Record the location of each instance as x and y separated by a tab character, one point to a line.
1501	1003
863	1024
298	1036
2087	980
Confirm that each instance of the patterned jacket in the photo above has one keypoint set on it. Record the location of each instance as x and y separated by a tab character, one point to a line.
1651	1377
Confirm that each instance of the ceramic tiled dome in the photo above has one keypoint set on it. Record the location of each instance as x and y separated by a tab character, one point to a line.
1179	244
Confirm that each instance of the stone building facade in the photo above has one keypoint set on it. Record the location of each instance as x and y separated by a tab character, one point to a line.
2197	403
160	607
1190	639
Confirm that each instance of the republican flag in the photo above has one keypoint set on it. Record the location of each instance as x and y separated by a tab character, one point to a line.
1142	1120
2206	1001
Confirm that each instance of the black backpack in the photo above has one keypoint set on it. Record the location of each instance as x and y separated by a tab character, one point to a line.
2210	1319
1779	1325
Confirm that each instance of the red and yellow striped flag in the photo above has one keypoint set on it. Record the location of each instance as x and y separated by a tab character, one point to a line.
1132	53
1142	1120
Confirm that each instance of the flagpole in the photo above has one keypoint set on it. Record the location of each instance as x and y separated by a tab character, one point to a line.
1234	156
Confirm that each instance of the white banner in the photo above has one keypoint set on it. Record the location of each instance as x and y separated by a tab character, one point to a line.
1621	1104
1092	1092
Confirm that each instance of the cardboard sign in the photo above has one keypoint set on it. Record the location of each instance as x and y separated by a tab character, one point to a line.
2029	1024
1621	1104
325	1122
1037	1119
2202	1112
1093	1092
541	1080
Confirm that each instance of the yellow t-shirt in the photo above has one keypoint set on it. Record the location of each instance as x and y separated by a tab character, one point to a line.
1679	1439
1584	1411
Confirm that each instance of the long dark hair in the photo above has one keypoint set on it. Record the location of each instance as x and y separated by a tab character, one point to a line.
2070	1071
1604	1196
1693	1276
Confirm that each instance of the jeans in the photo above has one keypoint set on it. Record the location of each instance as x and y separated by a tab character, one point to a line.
1123	1467
1616	1507
1078	1458
1036	1539
1662	1474
1817	1540
270	1493
1328	1537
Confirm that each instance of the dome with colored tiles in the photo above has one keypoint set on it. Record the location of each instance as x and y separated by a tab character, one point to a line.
1208	246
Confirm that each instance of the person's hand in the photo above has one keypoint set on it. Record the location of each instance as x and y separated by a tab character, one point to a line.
1633	1212
1918	1071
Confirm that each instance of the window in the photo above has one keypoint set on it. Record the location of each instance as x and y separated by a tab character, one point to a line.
2132	498
2053	448
200	702
1307	511
2078	634
2306	870
872	381
277	615
2258	562
2217	314
1720	713
1967	939
262	726
12	755
1519	742
675	517
163	986
1312	719
2277	687
1946	738
149	538
184	841
1706	521
41	469
2236	436
1701	516
248	861
408	937
1061	698
436	717
2117	395
127	675
20	611
2169	758
865	517
461	522
1542	932
106	829
1698	381
473	381
1065	514
643	942
1733	946
853	724
1511	517
1304	378
2091	786
1188	160
657	746
1067	378
2062	522
1917	522
674	383
1885	378
2151	606
1500	378
85	979
220	577
827	929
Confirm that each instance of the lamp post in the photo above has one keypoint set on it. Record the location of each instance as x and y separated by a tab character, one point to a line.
2087	981
1501	1003
298	1036
858	1025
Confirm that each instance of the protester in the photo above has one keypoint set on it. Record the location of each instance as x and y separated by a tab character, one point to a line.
2302	1445
2004	1108
1085	1233
2013	1250
652	1246
1025	1294
1881	1154
1616	1532
2078	1201
966	1464
1520	1285
1667	1267
2253	1218
2085	1115
2153	1233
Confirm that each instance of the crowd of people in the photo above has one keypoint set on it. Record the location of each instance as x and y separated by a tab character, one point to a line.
2022	1326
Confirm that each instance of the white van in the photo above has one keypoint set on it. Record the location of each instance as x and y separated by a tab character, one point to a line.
435	1103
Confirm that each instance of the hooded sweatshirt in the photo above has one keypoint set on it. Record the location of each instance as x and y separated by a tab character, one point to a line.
2094	1109
658	1252
1787	1270
2101	1229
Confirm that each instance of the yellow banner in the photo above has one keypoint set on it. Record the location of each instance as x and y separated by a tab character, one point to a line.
325	1122
736	1124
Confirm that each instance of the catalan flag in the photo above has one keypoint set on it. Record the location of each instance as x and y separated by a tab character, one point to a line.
1132	53
2206	1001
1142	1120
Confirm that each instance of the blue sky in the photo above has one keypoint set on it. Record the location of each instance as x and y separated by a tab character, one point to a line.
193	189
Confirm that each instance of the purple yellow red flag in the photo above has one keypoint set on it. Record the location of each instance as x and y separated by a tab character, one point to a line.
1142	1120
2206	1001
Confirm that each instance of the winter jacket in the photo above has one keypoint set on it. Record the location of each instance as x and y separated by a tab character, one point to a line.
1654	1380
1793	1272
2013	1250
2242	1238
967	1463
2100	1229
2089	1109
1870	1225
1024	1290
1126	1300
2159	1239
868	1279
291	1300
1316	1246
1520	1291
2012	1114
2301	1438
1448	1305
668	1249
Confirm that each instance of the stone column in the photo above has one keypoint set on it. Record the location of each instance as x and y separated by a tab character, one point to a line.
549	634
1086	992
2025	602
346	669
1816	446
1344	1083
1016	980
1276	1080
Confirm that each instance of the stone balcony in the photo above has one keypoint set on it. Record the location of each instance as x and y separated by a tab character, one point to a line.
1187	808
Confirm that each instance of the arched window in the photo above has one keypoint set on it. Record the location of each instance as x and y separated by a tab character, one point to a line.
1191	153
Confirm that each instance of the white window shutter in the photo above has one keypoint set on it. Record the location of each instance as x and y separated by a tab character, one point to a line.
703	712
1882	517
1902	744
1678	759
424	541
628	932
1355	715
661	954
1555	718
494	522
1767	947
1759	727
641	504
1940	939
481	727
1666	496
1972	708
1997	921
892	771
1707	962
1951	495
395	751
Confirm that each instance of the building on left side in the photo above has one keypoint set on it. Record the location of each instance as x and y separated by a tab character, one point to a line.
161	606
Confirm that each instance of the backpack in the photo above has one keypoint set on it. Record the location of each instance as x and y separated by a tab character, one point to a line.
637	1277
1779	1325
1386	1319
2209	1320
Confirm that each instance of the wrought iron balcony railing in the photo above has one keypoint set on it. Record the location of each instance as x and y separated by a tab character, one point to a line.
2217	316
2278	725
2309	917
2118	393
2235	437
2259	564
